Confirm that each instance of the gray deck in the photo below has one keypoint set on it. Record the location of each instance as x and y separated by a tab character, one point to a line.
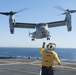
32	67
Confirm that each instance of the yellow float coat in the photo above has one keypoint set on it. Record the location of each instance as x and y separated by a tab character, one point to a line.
48	57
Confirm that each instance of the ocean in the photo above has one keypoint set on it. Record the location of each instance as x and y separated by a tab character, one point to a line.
65	54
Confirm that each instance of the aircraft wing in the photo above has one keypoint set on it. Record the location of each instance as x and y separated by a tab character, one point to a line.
25	25
57	23
33	25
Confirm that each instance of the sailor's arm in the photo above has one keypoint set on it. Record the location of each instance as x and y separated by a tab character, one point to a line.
57	59
42	49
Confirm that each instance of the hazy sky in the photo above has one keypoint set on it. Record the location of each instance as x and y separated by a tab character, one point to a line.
39	11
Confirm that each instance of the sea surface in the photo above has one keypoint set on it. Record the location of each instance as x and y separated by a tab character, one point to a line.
65	54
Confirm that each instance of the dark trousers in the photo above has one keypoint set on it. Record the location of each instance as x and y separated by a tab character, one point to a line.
47	70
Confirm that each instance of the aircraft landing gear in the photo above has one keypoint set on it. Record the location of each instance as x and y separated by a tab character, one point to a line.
48	38
12	32
33	39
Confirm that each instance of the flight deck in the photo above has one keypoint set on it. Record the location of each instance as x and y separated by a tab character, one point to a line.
25	66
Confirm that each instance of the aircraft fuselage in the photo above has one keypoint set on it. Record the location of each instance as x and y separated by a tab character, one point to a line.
41	31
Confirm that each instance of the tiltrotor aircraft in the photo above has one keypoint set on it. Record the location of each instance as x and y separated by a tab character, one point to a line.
41	28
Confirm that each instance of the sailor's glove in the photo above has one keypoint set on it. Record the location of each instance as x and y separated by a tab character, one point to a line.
58	63
43	46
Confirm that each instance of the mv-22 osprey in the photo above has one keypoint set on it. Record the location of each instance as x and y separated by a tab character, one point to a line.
41	28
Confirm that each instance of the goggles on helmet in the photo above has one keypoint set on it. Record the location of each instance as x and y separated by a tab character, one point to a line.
51	46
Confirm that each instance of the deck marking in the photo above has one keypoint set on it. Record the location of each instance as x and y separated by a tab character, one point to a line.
21	71
15	62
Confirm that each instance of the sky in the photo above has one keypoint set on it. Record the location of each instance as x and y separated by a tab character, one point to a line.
39	11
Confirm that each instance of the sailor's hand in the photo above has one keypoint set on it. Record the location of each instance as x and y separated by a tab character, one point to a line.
58	63
43	45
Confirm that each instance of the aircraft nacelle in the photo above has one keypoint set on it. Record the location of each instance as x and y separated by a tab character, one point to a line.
68	22
69	27
12	24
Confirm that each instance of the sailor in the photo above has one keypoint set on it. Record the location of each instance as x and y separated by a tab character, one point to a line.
48	57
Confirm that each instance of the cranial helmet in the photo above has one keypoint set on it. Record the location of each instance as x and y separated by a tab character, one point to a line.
51	46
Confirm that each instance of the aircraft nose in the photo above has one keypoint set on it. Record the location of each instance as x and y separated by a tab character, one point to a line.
43	29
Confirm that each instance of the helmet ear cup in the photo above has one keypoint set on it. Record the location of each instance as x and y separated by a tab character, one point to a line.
51	46
47	46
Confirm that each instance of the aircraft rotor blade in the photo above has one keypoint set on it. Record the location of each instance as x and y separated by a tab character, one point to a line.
8	13
72	11
65	11
12	13
69	11
60	8
4	13
21	10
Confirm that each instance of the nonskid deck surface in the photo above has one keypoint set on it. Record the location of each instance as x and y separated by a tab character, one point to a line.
32	66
